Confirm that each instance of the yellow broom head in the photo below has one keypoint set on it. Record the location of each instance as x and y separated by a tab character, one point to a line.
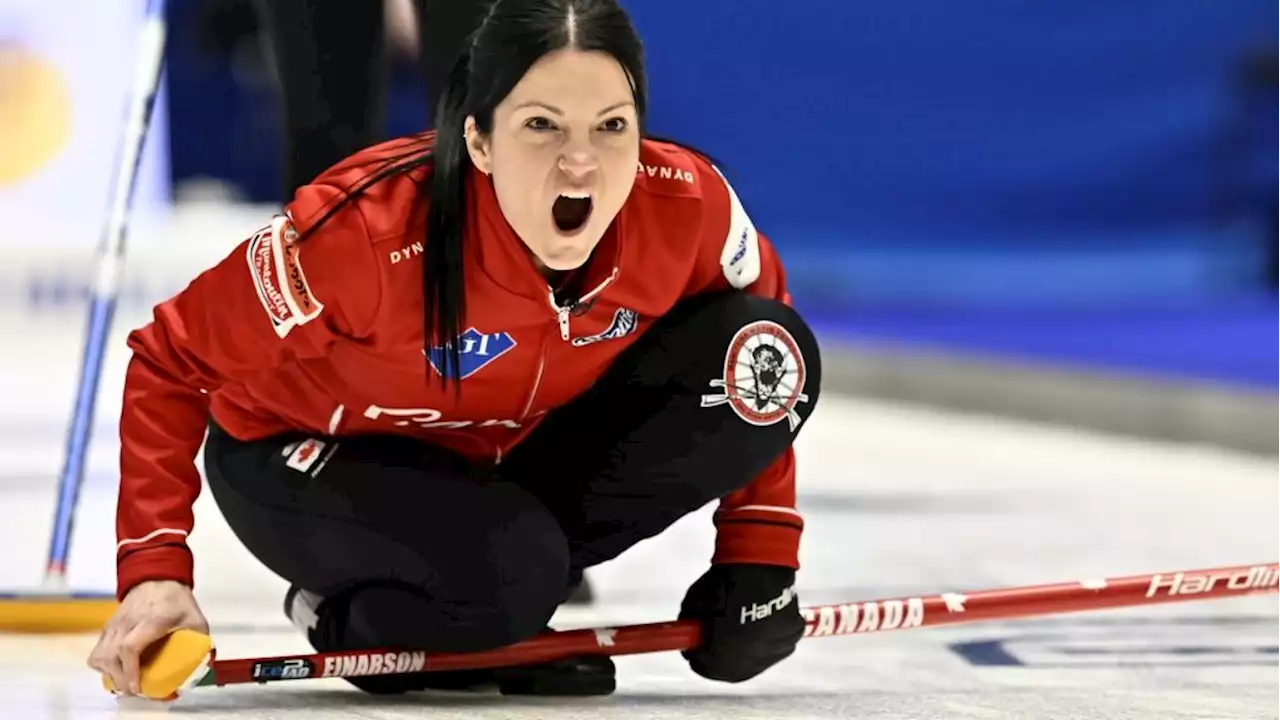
45	612
172	665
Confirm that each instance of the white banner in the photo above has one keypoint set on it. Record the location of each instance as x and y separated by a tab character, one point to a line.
66	74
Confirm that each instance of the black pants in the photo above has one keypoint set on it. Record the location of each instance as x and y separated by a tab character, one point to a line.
330	59
435	553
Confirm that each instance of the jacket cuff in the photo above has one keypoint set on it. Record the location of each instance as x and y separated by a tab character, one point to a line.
163	562
751	542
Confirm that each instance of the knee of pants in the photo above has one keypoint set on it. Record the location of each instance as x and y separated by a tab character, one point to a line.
495	586
763	346
435	560
747	372
386	614
753	356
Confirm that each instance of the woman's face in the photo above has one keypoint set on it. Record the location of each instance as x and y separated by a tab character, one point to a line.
562	154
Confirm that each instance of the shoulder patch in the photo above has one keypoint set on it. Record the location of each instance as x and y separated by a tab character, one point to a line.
740	257
276	271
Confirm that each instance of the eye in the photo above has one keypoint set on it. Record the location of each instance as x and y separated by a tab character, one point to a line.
539	124
614	125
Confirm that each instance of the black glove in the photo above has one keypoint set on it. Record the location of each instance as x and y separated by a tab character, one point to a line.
750	617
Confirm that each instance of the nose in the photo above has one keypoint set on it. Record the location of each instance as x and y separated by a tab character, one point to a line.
578	164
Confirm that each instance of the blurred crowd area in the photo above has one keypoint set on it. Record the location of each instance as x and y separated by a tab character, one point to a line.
1086	189
932	172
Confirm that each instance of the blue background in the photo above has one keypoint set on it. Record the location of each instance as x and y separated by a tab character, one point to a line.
1064	183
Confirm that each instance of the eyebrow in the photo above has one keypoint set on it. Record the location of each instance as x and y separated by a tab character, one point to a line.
557	111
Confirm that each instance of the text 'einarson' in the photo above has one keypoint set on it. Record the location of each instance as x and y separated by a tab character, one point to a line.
374	664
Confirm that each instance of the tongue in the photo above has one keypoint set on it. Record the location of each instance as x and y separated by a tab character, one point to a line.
570	213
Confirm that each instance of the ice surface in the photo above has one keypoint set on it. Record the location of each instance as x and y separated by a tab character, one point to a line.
897	501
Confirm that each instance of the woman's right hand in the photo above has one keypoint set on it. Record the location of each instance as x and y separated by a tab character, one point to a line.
150	611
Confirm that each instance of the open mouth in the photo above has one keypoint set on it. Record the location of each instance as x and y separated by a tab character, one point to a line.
571	211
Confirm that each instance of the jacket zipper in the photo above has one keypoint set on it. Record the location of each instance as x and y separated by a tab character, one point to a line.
562	313
562	320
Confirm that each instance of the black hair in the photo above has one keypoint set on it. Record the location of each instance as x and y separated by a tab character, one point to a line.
514	35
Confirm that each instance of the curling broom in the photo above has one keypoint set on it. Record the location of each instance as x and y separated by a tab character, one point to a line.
54	608
186	659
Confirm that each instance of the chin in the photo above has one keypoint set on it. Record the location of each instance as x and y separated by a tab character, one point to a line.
562	262
569	252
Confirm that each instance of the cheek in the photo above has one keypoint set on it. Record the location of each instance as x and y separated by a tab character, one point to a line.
620	173
519	179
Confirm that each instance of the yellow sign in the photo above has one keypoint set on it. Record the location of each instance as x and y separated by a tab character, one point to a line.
35	113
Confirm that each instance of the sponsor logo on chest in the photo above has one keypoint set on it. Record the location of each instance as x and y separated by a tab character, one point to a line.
476	350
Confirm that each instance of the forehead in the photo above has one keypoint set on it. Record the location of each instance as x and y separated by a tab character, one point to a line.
573	80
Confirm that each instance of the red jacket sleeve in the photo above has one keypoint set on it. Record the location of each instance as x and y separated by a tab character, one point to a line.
272	301
759	523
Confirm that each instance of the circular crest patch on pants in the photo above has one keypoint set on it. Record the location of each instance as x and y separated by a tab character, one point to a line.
763	376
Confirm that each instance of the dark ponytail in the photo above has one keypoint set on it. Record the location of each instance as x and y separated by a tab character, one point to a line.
443	285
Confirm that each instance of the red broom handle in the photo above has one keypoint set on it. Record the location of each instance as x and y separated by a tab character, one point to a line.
820	621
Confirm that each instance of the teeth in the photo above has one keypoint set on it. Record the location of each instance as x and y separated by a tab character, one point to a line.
576	194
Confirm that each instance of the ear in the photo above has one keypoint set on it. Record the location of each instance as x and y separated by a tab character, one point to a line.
478	147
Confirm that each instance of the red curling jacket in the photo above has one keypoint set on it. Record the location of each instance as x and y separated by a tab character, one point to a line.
324	335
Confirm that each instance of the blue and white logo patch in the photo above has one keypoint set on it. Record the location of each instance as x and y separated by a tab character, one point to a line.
477	350
740	256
